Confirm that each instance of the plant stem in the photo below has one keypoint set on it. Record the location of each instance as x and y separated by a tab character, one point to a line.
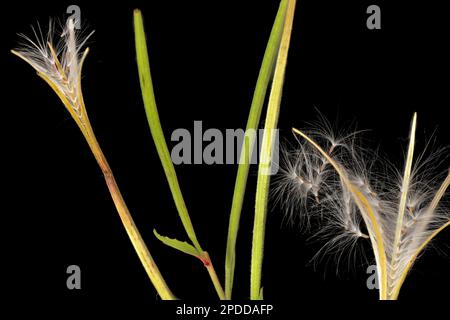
367	213
133	233
262	187
82	120
151	111
127	220
213	275
265	74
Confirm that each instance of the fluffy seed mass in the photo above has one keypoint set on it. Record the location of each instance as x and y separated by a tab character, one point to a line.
353	193
58	59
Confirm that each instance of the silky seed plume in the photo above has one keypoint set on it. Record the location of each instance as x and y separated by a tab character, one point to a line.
359	195
58	59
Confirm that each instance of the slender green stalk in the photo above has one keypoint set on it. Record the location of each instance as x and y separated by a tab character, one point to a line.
262	188
265	74
213	275
151	112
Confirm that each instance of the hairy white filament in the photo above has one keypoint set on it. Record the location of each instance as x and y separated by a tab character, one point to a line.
58	62
406	217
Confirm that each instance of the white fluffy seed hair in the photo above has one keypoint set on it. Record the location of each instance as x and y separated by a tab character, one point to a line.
308	187
57	57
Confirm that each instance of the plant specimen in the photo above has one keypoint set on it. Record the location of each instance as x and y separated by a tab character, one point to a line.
151	111
330	177
334	179
273	65
60	65
262	187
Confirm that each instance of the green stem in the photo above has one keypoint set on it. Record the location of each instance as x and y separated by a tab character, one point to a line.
259	95
213	275
151	112
262	187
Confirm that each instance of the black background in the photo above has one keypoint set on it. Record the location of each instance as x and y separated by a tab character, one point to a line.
205	57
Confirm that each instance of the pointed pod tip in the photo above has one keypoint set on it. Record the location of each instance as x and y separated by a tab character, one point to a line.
14	52
300	133
414	121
